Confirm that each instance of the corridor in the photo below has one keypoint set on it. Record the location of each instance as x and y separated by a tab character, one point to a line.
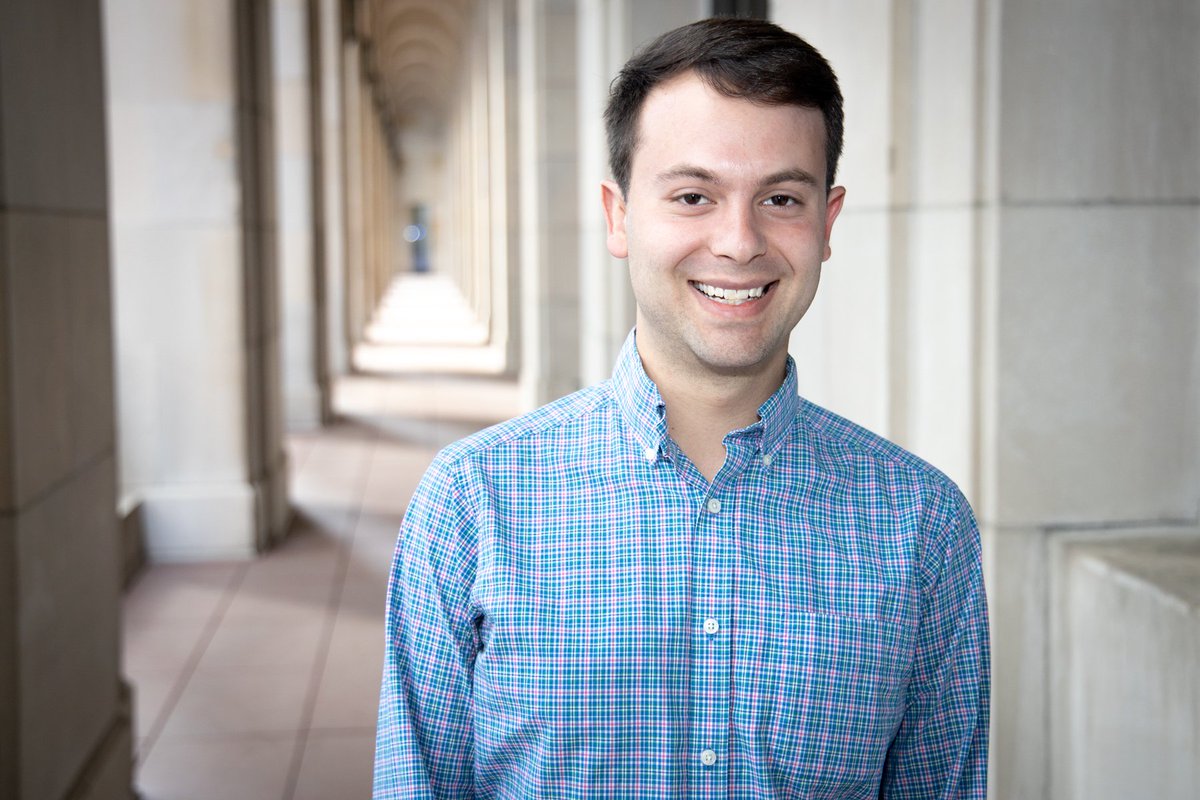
261	259
259	679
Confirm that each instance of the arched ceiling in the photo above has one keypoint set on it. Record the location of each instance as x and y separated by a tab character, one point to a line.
417	52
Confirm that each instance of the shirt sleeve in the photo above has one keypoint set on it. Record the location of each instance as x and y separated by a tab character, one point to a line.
940	750
424	742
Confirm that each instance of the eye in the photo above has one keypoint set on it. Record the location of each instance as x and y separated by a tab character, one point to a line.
692	199
781	200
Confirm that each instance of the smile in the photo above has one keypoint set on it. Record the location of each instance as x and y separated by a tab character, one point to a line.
732	297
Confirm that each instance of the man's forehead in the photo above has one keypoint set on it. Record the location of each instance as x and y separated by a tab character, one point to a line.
687	129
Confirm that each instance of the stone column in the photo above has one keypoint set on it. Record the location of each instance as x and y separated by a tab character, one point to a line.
64	712
196	292
504	198
352	144
330	186
549	195
305	383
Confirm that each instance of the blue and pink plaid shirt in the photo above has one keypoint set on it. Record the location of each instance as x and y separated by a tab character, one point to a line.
576	612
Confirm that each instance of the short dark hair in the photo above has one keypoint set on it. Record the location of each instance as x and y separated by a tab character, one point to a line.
745	58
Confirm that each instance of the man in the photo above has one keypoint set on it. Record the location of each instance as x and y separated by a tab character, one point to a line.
687	581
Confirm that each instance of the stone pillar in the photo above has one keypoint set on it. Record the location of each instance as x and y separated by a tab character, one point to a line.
504	197
549	199
352	143
330	186
305	381
195	287
64	713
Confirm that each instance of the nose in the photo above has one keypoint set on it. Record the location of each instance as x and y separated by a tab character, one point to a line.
738	235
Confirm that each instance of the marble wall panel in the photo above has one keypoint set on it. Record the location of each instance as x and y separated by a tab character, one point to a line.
1017	576
196	68
944	94
1096	367
174	163
1099	100
1126	692
10	694
69	640
200	521
6	346
61	374
181	409
52	127
940	340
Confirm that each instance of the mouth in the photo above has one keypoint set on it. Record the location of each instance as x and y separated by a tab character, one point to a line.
732	297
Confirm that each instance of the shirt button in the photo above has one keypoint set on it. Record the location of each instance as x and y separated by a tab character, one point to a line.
708	758
767	459
650	453
714	506
711	626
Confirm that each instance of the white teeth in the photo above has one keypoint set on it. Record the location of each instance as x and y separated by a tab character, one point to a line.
733	297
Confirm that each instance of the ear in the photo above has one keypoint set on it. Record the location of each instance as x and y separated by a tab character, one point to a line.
614	216
833	207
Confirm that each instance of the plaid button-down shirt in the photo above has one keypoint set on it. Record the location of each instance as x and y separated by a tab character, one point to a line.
576	612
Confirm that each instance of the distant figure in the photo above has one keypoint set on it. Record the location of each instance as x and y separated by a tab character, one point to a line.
417	235
686	581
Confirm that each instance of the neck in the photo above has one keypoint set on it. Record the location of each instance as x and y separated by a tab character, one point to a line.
702	406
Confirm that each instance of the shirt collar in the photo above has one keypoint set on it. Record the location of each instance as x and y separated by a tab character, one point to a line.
643	409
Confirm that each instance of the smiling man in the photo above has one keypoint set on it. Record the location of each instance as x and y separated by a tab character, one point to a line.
687	581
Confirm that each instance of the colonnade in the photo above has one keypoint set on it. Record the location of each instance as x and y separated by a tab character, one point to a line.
199	209
240	278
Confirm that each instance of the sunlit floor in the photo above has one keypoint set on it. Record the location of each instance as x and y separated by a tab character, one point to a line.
260	679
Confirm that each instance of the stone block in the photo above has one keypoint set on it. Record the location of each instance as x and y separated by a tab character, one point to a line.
174	163
945	124
1099	100
7	423
10	695
1095	378
1126	683
197	67
199	522
61	349
68	640
940	340
561	121
110	774
52	125
181	403
1017	576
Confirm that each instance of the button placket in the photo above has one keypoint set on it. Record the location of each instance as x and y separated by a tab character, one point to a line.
711	666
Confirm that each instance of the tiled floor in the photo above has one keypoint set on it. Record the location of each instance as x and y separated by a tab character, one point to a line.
260	679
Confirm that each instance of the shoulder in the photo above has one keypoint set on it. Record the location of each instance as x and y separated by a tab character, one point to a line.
572	416
836	438
463	472
849	450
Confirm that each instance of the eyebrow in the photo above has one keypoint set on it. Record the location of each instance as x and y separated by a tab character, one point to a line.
703	175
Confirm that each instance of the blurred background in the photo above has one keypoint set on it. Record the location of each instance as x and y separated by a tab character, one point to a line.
260	259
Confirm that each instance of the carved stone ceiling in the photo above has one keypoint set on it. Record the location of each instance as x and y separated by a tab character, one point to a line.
417	52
